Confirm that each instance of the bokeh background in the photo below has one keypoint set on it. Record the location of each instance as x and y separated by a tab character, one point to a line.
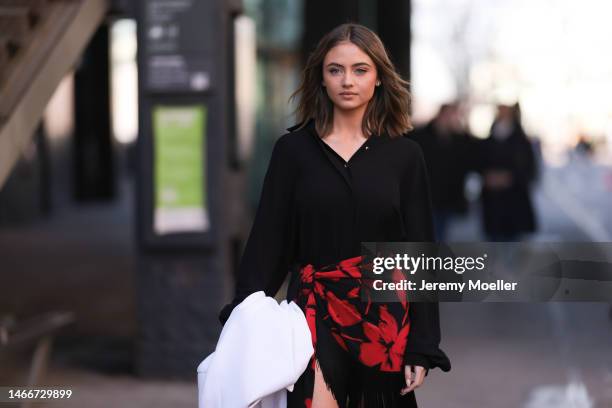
97	297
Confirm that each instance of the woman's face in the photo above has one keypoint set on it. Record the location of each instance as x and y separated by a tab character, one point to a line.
349	76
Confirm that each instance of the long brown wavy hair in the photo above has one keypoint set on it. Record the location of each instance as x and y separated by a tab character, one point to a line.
388	112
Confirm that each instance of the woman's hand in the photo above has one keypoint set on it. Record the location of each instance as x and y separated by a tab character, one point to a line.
415	375
498	179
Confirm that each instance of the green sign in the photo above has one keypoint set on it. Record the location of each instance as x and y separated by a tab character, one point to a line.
179	144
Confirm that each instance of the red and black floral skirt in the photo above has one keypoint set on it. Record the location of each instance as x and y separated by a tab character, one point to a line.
359	344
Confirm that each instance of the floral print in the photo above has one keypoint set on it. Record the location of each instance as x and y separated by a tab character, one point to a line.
337	295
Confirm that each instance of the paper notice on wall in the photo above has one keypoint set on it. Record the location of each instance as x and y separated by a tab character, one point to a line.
179	144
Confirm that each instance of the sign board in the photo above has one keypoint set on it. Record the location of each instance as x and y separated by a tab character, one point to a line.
178	46
179	146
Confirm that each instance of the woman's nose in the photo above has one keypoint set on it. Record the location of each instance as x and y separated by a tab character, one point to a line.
347	80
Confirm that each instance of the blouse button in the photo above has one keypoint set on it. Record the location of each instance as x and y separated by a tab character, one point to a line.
345	165
367	147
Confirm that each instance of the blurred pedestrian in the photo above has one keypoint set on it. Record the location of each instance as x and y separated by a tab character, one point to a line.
508	167
449	154
584	146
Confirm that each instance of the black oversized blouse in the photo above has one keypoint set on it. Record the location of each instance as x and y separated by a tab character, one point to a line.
316	208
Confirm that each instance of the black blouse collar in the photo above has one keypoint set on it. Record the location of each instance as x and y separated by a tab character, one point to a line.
310	126
335	159
296	126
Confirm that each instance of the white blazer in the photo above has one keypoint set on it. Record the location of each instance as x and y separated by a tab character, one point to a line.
263	349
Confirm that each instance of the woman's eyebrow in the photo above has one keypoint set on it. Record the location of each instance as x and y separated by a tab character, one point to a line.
354	65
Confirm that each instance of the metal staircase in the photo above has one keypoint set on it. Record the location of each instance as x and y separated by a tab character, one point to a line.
40	41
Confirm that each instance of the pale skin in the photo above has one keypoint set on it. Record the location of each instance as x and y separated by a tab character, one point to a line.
350	78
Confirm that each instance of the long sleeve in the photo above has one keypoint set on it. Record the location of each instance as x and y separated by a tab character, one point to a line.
269	249
423	341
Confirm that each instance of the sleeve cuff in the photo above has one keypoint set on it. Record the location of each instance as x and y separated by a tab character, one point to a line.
429	360
416	359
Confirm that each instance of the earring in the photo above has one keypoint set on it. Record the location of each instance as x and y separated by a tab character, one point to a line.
377	83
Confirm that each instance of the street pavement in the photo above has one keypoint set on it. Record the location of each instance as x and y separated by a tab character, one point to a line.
536	355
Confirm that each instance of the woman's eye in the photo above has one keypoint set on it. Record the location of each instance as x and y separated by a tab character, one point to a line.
361	71
334	71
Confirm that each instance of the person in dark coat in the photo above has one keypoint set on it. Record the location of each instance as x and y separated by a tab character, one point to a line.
449	154
346	175
508	167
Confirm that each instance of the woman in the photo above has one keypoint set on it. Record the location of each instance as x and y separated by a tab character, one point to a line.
345	176
508	166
